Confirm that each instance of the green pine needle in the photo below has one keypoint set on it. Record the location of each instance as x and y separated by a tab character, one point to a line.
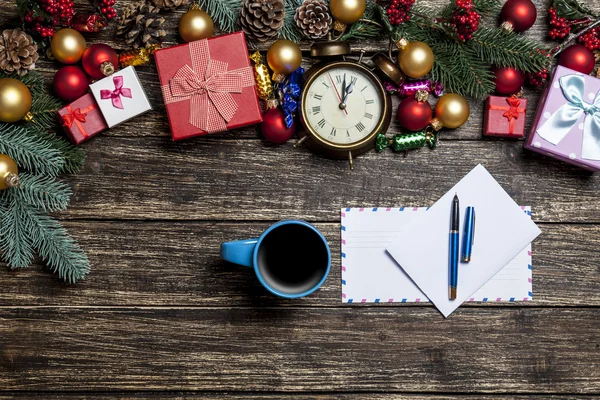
42	192
572	9
15	240
30	151
487	8
501	48
62	254
368	26
289	30
224	13
73	156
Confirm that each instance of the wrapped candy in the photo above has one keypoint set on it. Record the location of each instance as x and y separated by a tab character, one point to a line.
264	87
406	141
289	94
409	88
137	57
87	22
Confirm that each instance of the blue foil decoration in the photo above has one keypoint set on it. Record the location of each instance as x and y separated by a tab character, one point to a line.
289	95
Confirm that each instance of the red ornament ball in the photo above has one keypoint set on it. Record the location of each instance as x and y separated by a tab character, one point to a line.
414	115
578	58
273	126
508	80
70	83
99	60
521	14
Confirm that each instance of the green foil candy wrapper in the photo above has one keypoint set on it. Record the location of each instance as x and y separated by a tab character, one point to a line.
381	142
415	140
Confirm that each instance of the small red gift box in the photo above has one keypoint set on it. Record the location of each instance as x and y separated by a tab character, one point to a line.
208	86
504	117
81	119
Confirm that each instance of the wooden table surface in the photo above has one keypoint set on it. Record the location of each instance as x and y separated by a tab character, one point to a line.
160	316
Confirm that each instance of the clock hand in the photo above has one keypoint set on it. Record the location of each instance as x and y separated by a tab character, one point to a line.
344	89
338	94
347	91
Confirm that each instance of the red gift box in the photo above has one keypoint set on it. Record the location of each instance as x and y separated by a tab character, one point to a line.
82	119
208	86
504	117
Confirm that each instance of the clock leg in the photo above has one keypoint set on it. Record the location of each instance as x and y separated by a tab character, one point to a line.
299	142
350	160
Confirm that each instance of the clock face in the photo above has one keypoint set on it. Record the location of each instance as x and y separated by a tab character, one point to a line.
343	105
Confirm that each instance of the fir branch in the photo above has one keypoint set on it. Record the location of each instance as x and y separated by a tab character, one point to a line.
504	49
290	30
44	108
487	8
31	152
224	13
477	80
572	9
42	192
73	156
60	251
16	243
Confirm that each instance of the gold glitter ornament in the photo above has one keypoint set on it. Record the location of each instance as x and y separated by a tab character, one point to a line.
264	87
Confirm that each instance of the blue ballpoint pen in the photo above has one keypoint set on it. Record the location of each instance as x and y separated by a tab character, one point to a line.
454	252
468	234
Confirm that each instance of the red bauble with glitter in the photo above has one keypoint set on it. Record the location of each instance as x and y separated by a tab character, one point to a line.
520	14
414	115
578	58
99	60
273	126
70	83
508	80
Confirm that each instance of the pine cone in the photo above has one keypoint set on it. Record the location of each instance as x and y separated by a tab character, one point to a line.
313	19
141	25
262	19
168	4
18	52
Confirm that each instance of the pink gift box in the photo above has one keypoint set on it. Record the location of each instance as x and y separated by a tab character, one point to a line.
567	122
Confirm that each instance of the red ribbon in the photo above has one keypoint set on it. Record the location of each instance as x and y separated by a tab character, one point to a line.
512	112
208	85
115	95
77	116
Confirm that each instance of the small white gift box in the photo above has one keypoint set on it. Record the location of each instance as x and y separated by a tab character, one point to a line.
120	96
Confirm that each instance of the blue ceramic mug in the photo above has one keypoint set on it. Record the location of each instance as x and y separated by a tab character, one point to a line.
291	258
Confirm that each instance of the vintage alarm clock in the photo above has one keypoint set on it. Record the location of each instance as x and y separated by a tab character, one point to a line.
344	104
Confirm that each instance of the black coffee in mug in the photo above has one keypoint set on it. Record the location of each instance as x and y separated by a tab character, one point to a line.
293	258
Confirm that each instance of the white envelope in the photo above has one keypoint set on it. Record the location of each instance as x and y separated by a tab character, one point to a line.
502	231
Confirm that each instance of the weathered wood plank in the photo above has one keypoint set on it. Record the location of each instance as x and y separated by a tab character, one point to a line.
367	349
279	396
153	178
177	264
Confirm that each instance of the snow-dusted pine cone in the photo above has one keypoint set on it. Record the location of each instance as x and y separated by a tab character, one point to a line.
261	20
313	19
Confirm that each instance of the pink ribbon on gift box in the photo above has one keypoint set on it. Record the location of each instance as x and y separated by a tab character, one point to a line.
115	95
208	84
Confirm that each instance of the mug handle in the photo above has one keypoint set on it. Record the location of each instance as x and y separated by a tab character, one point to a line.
239	252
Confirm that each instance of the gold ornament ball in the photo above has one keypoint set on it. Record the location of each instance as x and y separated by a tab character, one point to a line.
15	100
347	11
452	110
67	46
195	25
416	59
8	172
284	57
